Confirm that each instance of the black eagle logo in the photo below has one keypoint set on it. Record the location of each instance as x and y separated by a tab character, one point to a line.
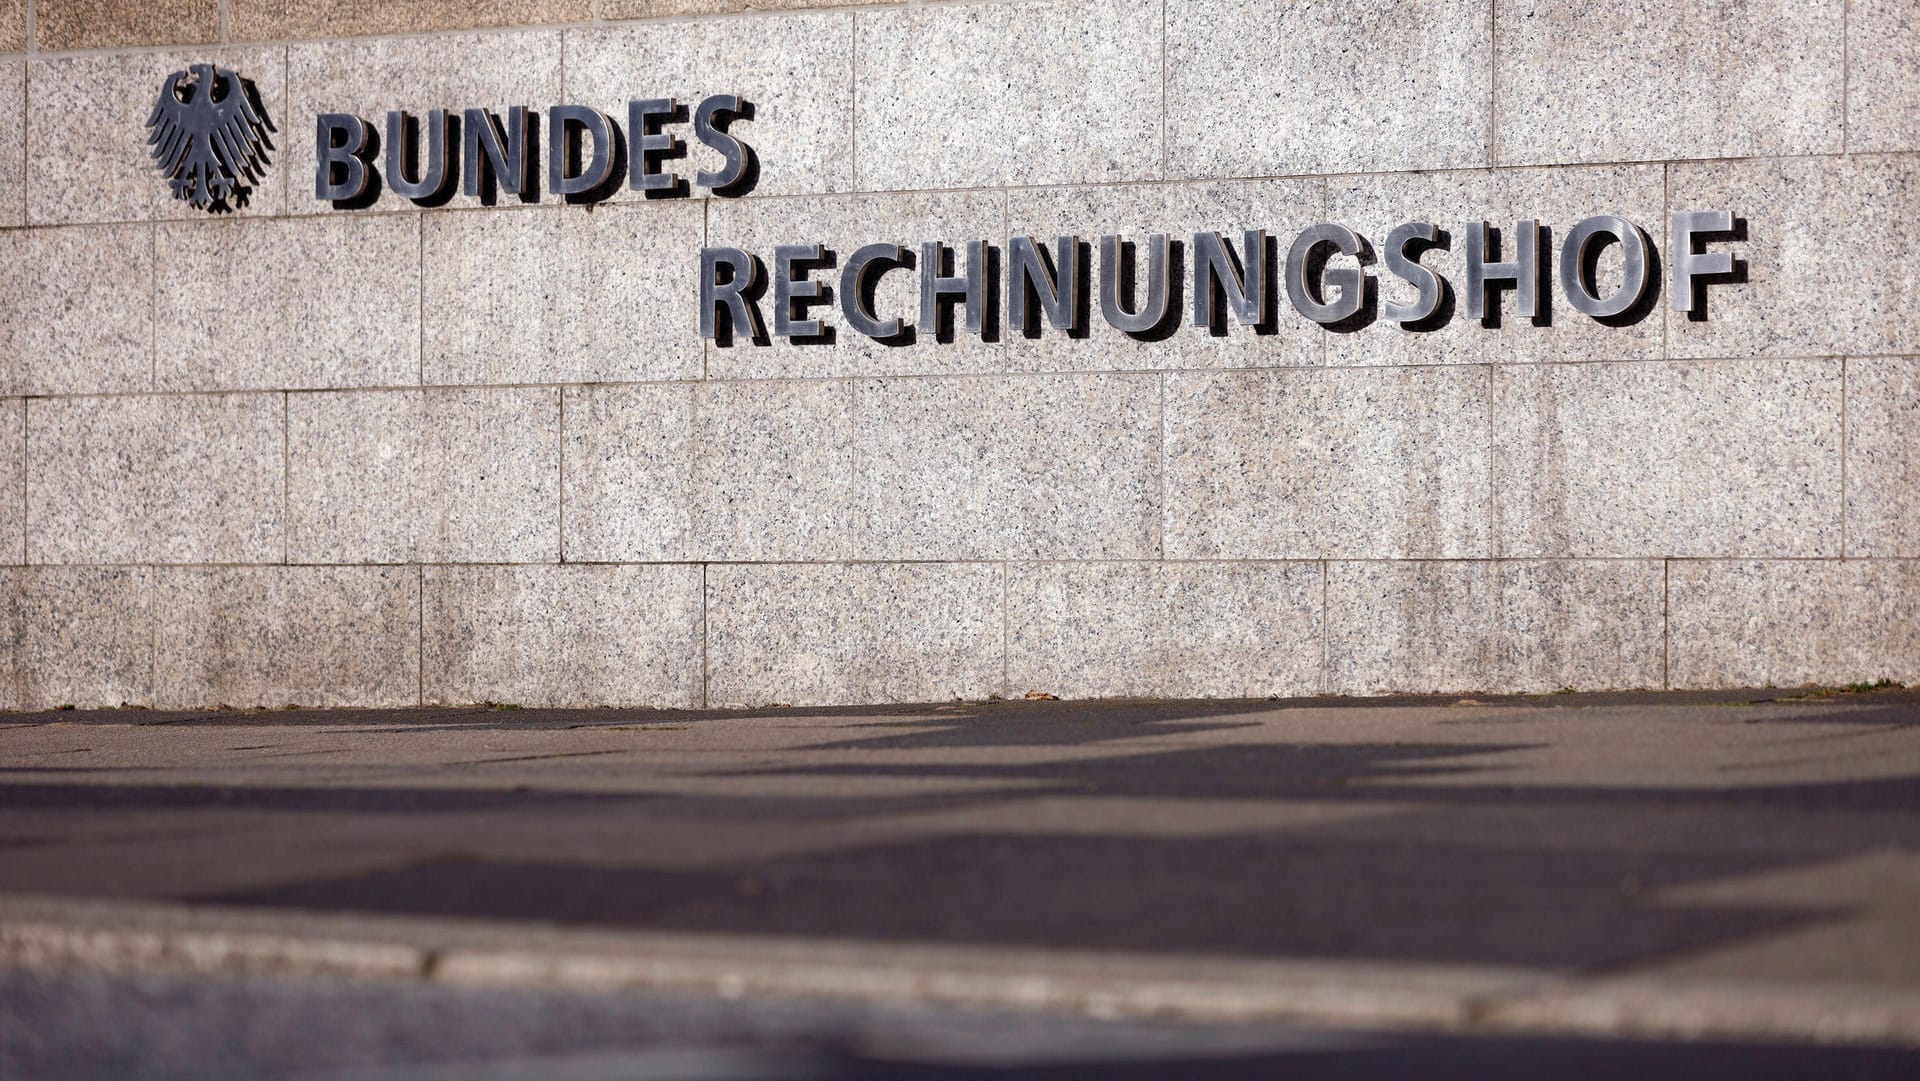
208	134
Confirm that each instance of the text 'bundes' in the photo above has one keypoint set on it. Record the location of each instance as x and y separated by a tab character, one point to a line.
484	154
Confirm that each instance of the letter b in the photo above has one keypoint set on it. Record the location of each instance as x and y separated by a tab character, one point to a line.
340	149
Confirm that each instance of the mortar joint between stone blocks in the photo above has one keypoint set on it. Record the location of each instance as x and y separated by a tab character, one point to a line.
420	629
1666	623
1006	616
1166	159
1846	88
706	635
1845	375
1493	82
1326	628
853	94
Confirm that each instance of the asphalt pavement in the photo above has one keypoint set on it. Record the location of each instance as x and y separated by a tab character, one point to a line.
1570	886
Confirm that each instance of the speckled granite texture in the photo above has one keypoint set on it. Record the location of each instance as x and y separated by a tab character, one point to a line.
552	295
561	635
96	24
76	309
13	129
271	20
476	449
1325	88
1644	80
304	318
13	25
168	479
277	636
1883	76
797	70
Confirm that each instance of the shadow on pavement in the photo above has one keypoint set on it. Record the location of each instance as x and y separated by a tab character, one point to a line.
1430	866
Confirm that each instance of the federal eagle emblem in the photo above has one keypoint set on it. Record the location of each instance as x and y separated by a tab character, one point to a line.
208	135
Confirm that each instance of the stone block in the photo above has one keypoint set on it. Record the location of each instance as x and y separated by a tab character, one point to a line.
1007	467
1791	622
491	467
13	141
1558	199
356	477
1511	626
723	471
1647	80
772	471
366	78
108	24
983	95
1883	456
454	476
1281	207
1412	627
258	20
816	634
13	26
1829	257
1668	458
101	169
842	224
13	482
170	479
289	303
277	636
1180	630
76	309
1264	89
1353	463
564	636
707	473
79	636
1591	626
796	71
1883	76
562	295
654	9
628	472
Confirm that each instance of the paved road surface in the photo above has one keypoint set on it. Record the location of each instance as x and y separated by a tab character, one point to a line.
1570	881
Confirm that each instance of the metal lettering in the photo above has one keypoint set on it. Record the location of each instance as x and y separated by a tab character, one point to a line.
857	282
647	144
503	155
744	317
403	147
1056	286
1349	281
1575	269
936	287
1214	272
791	286
1152	311
1689	227
340	151
706	127
1409	270
1523	270
563	121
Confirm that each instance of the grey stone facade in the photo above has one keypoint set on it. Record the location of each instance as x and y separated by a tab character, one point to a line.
398	454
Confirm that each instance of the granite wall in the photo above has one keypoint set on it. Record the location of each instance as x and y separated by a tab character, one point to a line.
393	455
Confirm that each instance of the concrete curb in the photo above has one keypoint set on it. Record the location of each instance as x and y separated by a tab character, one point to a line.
59	932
